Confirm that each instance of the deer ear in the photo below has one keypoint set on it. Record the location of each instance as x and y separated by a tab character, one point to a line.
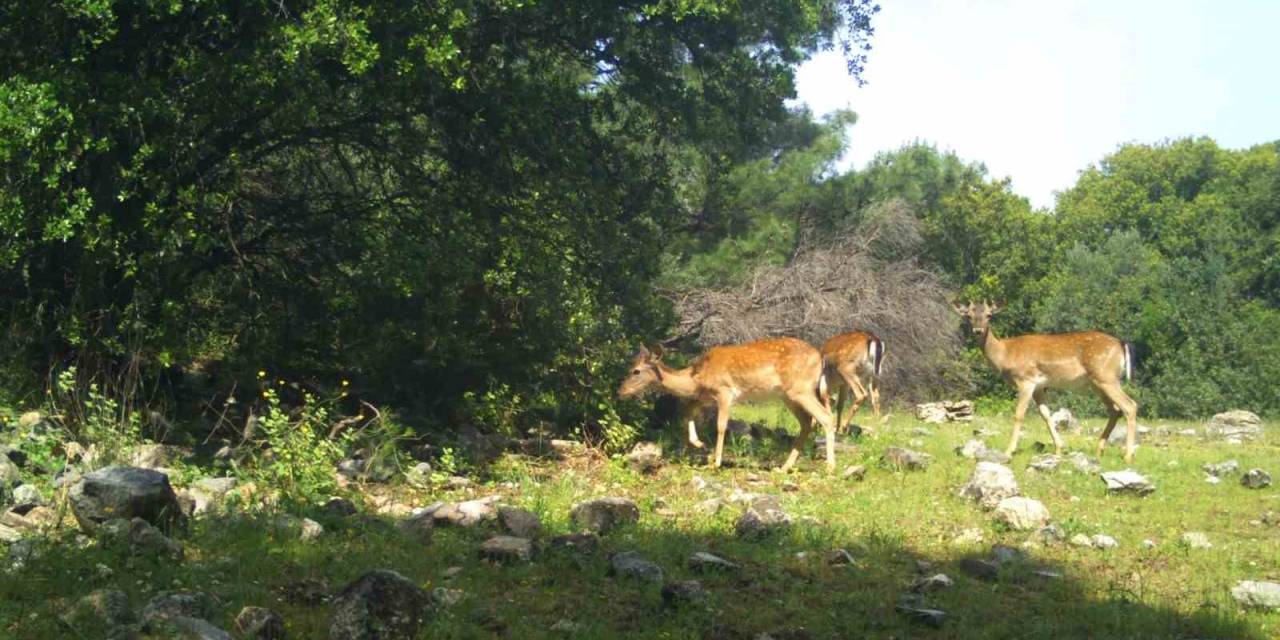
657	351
643	352
960	309
994	308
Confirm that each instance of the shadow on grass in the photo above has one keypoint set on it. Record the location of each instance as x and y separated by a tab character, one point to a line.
787	585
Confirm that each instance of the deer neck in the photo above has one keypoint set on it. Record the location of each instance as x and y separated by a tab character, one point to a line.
678	382
993	347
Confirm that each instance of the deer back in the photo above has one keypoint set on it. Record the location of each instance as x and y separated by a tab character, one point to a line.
763	367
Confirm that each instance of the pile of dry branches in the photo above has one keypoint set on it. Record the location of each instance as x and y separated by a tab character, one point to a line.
861	278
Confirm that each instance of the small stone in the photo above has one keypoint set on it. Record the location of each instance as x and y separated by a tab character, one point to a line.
1256	479
1004	554
790	487
683	593
1046	574
854	472
604	514
586	542
1187	432
989	484
703	562
339	507
1224	468
1102	541
1148	544
1127	481
103	609
1051	534
630	564
445	597
971	449
566	626
1257	595
310	529
451	573
27	495
519	522
1047	463
710	506
645	457
178	604
986	570
1084	463
1212	479
507	549
1022	514
921	432
994	455
259	623
421	526
754	525
457	483
839	557
1064	421
906	459
935	582
930	617
1196	540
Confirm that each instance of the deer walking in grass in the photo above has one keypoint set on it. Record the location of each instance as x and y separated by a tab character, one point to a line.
1036	362
853	368
784	367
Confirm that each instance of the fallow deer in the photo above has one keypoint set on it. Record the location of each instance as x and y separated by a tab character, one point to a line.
853	367
1036	362
784	367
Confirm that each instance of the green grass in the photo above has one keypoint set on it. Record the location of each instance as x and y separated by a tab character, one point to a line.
888	521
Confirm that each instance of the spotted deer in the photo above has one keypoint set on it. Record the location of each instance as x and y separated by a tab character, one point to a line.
1036	362
853	367
724	375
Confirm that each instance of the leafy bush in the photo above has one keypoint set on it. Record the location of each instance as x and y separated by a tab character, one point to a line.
298	458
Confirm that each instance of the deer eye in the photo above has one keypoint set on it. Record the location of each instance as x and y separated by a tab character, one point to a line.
636	371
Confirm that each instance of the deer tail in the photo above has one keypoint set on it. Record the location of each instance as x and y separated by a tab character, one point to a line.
1128	360
875	348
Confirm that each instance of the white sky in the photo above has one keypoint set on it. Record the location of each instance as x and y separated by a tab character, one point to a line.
1039	89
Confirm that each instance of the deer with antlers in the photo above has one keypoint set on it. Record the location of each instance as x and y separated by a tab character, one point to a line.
784	367
853	368
1036	362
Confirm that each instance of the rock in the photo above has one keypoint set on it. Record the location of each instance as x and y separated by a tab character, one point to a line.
921	432
756	525
258	623
168	605
507	549
899	458
1022	514
380	605
1212	479
630	564
1238	426
445	597
1081	540
1256	479
519	523
456	483
645	457
839	557
27	495
1257	595
364	470
565	626
1224	468
1127	481
710	506
307	592
339	507
971	448
968	537
945	411
1148	544
579	542
29	419
1004	554
101	610
124	492
931	617
604	514
703	562
464	514
1102	541
419	475
989	484
1051	534
9	535
10	475
421	526
987	570
158	456
206	492
1196	540
1064	421
683	593
309	529
994	455
1047	463
1084	463
936	582
189	629
141	537
854	472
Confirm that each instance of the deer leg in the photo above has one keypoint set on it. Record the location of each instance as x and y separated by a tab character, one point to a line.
1113	415
687	414
818	412
722	426
874	387
1044	413
1121	401
806	425
1019	413
842	395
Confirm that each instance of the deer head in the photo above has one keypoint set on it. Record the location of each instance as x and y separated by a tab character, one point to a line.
645	373
978	315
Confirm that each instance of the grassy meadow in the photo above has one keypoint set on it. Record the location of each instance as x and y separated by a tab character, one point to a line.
786	587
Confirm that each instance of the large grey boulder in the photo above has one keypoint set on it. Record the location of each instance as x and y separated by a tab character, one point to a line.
124	492
989	484
1234	426
603	514
381	605
1257	595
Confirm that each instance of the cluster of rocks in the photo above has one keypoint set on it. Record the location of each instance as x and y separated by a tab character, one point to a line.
993	487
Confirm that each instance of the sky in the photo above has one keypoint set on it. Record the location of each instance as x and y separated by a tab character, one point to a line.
1038	90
